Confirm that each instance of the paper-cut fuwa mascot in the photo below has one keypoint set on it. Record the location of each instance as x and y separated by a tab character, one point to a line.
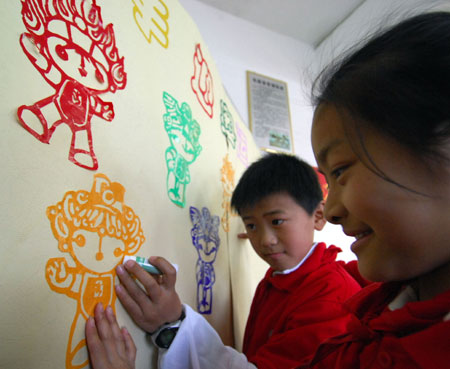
205	238
69	45
95	230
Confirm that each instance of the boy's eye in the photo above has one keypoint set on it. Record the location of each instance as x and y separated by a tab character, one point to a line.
250	226
277	221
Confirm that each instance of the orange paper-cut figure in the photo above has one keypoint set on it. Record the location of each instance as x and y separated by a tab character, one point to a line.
227	180
96	229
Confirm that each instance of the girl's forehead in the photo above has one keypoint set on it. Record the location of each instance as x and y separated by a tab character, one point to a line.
327	130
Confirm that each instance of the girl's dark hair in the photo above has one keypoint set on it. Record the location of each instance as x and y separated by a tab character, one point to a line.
276	173
399	84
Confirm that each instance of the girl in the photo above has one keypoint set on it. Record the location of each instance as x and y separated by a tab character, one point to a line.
381	136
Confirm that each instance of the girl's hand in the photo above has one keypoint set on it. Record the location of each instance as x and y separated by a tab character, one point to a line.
158	302
109	346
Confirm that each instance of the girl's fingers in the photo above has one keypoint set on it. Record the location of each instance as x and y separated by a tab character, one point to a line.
116	332
108	345
95	346
133	289
148	282
169	272
130	347
130	305
105	334
100	322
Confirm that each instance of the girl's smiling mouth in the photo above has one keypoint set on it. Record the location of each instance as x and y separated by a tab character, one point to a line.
361	239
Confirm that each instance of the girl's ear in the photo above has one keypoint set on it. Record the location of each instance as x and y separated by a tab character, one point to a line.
319	219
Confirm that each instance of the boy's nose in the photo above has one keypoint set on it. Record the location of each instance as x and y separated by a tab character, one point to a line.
334	210
268	237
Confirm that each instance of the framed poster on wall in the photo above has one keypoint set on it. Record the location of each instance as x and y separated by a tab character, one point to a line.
268	113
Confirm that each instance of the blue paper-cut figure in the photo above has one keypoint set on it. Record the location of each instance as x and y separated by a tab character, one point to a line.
205	237
184	132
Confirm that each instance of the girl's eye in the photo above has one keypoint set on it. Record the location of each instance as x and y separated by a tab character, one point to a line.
336	173
277	222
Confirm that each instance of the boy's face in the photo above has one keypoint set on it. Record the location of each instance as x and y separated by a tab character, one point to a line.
281	231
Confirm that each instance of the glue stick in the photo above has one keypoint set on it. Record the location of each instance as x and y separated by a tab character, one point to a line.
143	262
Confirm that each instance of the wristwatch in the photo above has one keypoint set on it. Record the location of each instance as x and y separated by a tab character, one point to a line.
164	336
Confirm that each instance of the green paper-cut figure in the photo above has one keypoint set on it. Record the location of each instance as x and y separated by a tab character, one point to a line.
184	133
227	125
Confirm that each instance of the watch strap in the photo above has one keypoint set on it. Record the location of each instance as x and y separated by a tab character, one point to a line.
164	336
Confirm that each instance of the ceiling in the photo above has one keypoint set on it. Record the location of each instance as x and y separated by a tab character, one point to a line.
309	21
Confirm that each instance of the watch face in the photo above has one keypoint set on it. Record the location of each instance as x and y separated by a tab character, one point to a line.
166	336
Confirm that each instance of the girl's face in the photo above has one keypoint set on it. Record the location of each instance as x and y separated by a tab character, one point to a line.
399	234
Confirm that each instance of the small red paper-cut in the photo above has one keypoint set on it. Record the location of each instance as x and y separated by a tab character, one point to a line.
76	54
202	82
323	183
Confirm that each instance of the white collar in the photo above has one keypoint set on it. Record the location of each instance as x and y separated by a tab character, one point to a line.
405	296
288	271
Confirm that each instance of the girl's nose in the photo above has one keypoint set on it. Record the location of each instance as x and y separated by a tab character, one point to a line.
334	210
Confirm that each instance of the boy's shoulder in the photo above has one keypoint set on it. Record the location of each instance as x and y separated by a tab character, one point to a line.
322	274
325	269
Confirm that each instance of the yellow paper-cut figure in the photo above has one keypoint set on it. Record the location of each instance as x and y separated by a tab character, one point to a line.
151	21
96	229
227	180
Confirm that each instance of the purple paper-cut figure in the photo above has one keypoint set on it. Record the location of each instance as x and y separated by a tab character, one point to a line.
205	237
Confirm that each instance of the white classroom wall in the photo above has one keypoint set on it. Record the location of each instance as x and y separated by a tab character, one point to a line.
368	18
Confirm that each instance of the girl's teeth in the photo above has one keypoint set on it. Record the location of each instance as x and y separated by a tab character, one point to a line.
361	235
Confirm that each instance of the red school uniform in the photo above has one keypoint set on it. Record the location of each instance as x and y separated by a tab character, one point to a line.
291	314
416	335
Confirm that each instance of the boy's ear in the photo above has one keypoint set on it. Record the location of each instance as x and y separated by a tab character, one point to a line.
319	218
242	236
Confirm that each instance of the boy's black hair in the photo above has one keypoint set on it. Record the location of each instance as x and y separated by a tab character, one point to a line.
399	84
276	173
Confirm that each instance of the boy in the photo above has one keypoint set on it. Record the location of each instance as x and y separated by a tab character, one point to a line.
297	305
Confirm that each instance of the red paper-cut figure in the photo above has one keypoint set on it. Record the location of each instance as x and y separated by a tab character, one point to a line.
202	83
76	54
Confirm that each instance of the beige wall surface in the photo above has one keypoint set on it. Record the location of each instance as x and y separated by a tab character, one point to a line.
117	139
